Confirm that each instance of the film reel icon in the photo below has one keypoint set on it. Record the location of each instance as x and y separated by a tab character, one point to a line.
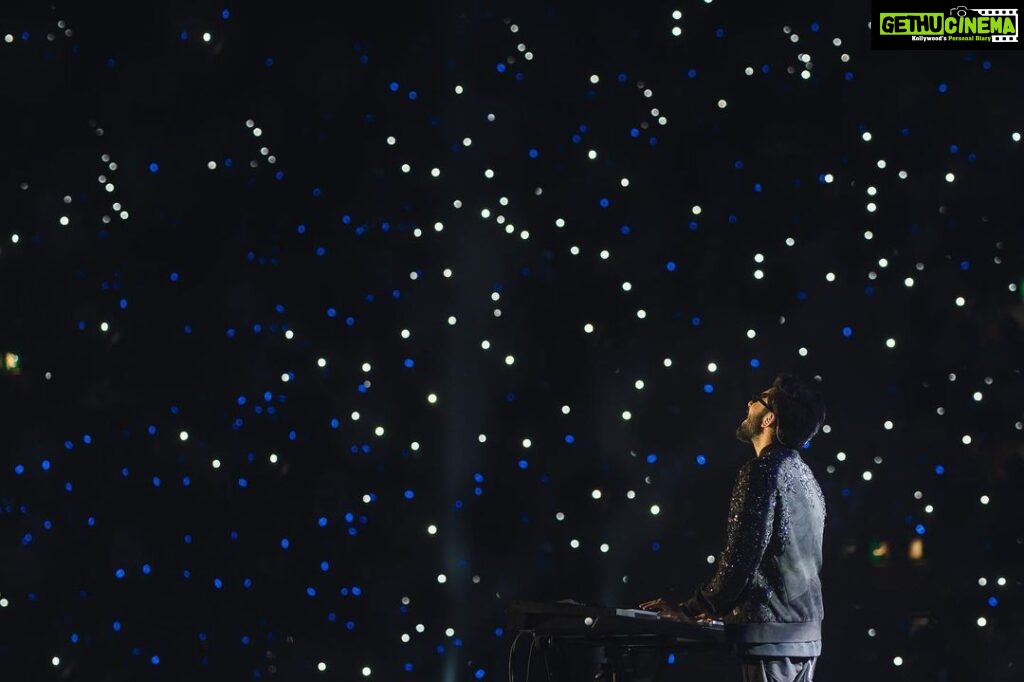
1010	13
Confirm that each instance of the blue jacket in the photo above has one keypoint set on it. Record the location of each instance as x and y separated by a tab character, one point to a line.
766	587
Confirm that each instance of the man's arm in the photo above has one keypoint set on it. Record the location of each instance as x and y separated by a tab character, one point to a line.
751	513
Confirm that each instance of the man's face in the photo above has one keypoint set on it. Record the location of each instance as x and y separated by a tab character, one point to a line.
751	426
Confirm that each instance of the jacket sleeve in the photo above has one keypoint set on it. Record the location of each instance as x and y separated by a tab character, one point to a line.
751	515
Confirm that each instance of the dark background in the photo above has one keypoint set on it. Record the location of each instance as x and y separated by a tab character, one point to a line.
128	556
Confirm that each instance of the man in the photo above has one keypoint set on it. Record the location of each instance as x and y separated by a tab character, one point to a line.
766	587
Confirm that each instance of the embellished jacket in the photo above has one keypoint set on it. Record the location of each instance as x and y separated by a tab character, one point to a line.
766	586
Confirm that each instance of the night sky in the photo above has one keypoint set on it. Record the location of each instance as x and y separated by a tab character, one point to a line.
327	334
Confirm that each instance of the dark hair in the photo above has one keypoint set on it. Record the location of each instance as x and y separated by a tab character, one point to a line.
799	408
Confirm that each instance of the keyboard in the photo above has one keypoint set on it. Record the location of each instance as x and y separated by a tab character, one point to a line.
570	619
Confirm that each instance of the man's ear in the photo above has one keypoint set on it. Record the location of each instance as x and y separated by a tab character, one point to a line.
769	420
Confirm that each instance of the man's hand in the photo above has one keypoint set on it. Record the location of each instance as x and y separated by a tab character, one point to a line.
665	610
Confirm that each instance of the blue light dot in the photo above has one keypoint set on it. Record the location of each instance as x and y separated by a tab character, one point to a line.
755	363
284	543
523	464
965	265
225	14
393	86
412	94
183	35
701	460
939	469
691	74
155	660
943	87
695	321
331	312
174	277
46	465
708	388
409	494
604	202
655	546
501	68
156	481
324	566
534	153
311	591
119	573
919	529
986	65
758	187
154	167
322	521
993	602
218	583
652	458
570	439
19	469
670	266
479	674
123	303
91	521
847	332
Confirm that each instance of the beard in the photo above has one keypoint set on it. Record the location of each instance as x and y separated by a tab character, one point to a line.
749	428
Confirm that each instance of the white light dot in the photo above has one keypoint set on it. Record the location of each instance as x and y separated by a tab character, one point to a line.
273	458
355	416
321	666
667	362
696	210
950	177
574	543
984	499
898	661
841	456
406	168
435	172
802	352
881	163
751	333
588	328
790	241
527	442
104	327
655	509
712	367
871	632
830	277
257	132
982	622
592	154
379	431
215	464
64	220
638	384
1015	137
183	435
321	362
978	396
891	343
866	136
627	415
626	286
207	37
560	516
758	274
630	494
928	509
624	182
566	409
55	660
866	475
442	578
466	141
641	313
711	558
903	175
1001	582
596	494
966	440
605	254
432	398
406	333
367	671
960	301
888	425
722	104
829	178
